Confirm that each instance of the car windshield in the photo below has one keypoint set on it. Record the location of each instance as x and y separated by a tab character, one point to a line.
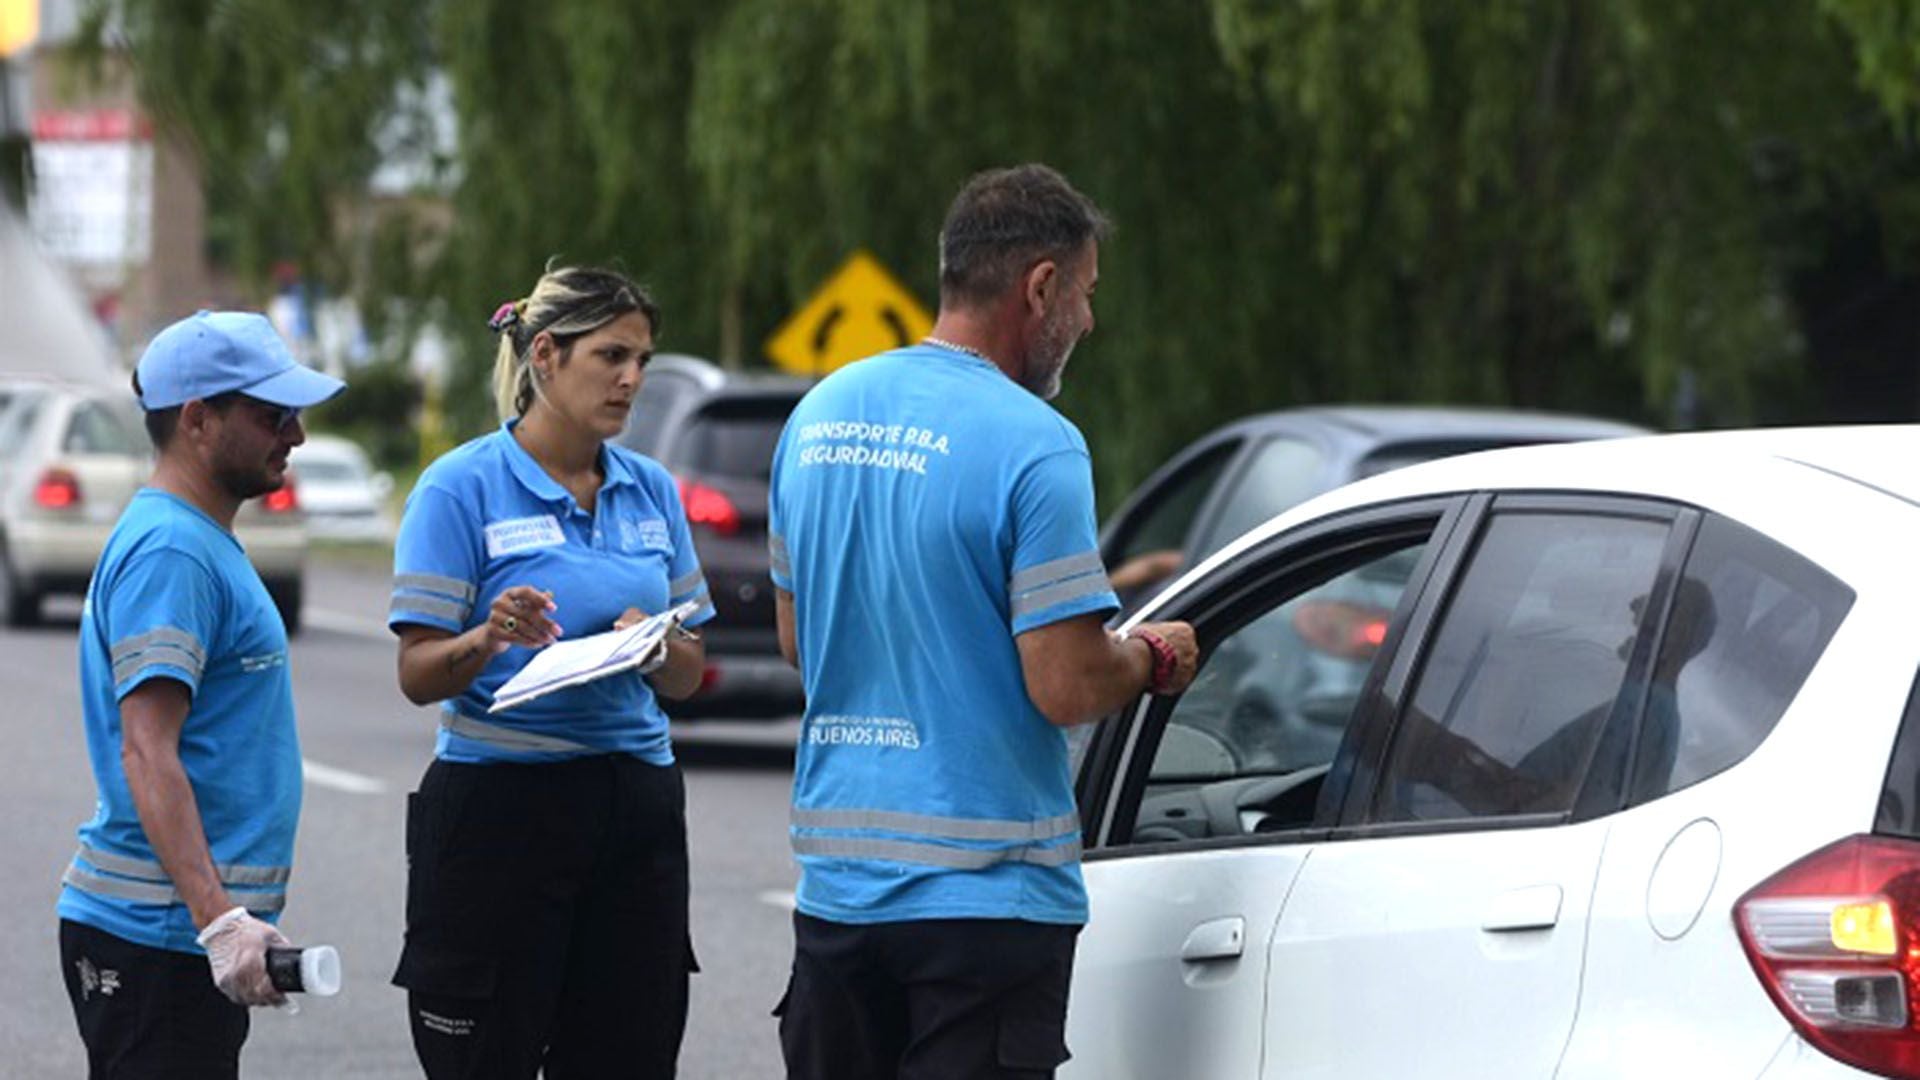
1281	473
327	469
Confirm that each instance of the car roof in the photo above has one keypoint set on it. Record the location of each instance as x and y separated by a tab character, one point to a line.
1748	474
1876	456
1379	424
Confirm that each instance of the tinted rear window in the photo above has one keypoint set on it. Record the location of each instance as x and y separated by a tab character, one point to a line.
1747	624
1900	796
733	437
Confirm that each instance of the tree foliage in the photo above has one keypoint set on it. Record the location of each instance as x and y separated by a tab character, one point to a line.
1580	205
289	105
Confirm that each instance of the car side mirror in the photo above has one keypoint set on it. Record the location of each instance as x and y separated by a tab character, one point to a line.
381	483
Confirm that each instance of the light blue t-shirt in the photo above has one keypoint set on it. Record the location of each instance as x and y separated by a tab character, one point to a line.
174	597
925	510
486	517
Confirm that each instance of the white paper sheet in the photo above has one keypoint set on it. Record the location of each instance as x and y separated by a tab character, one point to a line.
582	660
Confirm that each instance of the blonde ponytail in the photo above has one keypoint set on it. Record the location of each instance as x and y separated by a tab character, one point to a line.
565	303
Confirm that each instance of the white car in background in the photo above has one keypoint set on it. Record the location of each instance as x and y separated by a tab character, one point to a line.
343	495
1631	787
70	457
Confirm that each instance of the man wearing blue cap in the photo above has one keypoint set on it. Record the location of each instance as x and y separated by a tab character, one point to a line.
189	719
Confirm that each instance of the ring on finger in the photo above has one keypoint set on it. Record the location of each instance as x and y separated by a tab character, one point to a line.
509	624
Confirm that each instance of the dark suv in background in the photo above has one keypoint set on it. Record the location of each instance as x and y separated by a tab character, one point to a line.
715	431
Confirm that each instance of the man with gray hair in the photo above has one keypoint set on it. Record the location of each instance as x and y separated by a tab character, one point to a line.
940	587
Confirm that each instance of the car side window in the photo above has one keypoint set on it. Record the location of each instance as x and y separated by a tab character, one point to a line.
1246	747
1747	622
17	420
1282	474
1524	668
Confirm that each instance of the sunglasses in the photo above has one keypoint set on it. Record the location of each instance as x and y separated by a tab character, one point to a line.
278	417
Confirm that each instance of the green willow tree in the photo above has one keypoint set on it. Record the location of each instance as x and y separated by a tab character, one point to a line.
289	105
1582	205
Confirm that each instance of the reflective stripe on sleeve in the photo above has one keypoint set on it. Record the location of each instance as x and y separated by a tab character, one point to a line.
1047	573
230	873
946	828
777	555
450	587
146	892
166	645
1072	589
682	589
432	595
505	738
953	858
407	604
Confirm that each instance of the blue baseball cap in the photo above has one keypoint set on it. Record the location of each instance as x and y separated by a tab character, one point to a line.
213	352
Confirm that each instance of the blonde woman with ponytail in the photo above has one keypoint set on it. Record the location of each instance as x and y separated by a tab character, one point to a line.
547	852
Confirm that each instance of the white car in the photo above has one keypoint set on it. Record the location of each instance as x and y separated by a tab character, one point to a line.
344	497
70	458
1631	787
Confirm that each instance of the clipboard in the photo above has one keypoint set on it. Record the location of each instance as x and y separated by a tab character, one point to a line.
596	656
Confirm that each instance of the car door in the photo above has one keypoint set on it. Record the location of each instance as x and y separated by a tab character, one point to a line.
1202	810
1440	930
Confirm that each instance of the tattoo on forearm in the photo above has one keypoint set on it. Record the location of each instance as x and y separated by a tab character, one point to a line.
458	660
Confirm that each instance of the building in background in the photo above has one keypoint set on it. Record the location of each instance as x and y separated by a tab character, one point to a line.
115	202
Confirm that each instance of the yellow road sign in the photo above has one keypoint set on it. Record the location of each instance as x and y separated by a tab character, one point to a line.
861	310
19	25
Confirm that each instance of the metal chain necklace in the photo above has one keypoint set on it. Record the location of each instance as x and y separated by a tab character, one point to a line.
945	344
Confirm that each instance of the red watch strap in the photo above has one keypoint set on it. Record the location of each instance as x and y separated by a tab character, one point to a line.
1163	659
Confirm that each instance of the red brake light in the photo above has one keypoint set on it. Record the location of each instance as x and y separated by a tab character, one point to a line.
1835	940
281	499
1339	628
58	489
710	507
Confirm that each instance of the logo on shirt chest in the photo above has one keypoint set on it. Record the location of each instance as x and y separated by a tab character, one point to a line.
645	533
523	534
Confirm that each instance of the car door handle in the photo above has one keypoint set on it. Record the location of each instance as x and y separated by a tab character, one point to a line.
1536	907
1217	939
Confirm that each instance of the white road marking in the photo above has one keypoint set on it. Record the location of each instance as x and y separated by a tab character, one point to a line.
342	623
352	783
777	898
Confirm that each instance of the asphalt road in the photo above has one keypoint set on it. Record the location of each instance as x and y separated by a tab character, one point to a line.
365	747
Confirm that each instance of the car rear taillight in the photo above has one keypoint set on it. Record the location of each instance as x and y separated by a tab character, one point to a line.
282	499
58	489
1338	628
710	507
1835	939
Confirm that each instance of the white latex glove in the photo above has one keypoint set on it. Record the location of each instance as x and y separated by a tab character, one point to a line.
236	945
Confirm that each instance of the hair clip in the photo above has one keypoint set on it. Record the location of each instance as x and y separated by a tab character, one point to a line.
505	317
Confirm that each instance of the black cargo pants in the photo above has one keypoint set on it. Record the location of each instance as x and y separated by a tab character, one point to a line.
547	919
